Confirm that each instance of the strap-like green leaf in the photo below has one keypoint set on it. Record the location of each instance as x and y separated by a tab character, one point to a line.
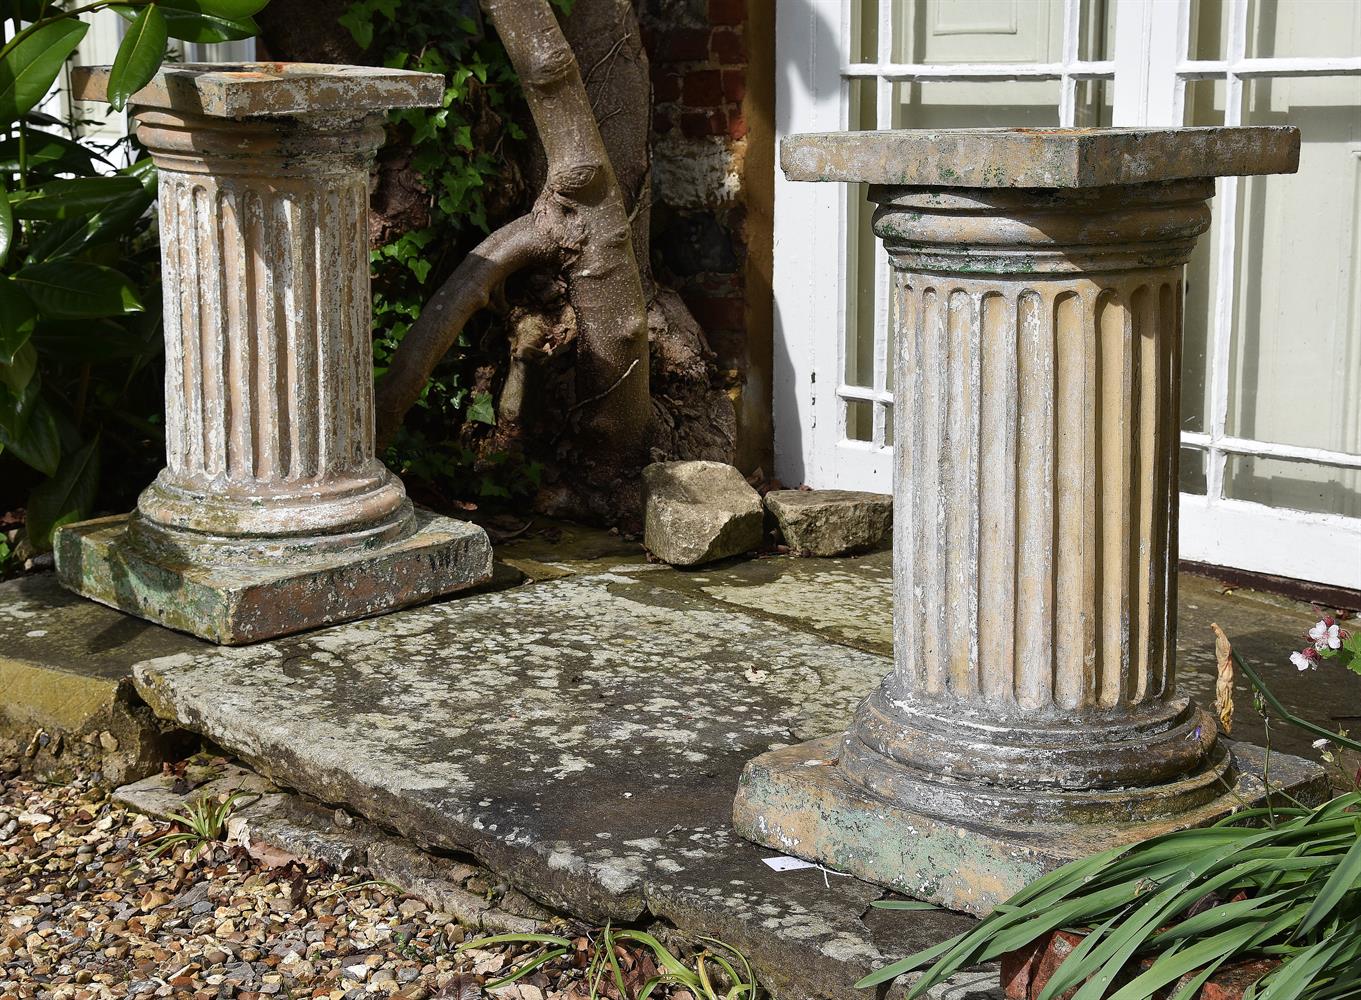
1345	877
30	66
139	56
190	21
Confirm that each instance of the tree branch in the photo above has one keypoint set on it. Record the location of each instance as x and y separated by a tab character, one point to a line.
523	243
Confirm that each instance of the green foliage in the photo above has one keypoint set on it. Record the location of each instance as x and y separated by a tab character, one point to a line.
202	823
1187	903
1290	892
712	975
80	338
464	152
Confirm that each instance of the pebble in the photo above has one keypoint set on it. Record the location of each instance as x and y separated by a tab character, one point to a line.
86	914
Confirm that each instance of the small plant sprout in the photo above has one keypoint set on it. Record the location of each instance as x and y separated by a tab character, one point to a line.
203	822
718	972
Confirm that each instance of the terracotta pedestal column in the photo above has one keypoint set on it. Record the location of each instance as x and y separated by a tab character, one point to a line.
273	514
1032	714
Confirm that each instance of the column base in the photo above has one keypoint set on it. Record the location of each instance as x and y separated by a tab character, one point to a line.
234	605
798	800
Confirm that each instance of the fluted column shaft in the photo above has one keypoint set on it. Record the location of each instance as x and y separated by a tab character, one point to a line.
1036	430
269	396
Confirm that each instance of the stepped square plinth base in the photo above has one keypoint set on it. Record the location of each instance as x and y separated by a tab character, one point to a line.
234	605
797	800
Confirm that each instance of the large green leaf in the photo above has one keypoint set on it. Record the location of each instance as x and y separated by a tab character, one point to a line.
17	319
92	341
17	376
6	224
39	443
74	198
68	289
31	66
235	9
16	407
45	152
139	56
66	497
191	21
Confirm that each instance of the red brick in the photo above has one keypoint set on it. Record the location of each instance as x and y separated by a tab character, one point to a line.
703	89
698	124
737	125
729	48
667	87
682	45
734	85
727	11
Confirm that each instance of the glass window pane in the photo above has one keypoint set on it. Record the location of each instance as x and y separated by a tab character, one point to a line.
1295	361
1298	485
859	420
1204	106
1303	28
1192	469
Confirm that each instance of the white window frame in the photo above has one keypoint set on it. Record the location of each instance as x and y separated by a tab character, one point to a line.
1149	73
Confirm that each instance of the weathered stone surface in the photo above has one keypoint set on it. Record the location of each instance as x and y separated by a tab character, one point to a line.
1036	438
66	684
581	737
799	800
263	89
698	512
831	522
239	604
273	513
1038	158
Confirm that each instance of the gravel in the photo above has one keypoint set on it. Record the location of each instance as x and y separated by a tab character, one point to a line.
86	912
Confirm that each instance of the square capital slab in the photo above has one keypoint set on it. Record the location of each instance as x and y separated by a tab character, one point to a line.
1038	158
250	90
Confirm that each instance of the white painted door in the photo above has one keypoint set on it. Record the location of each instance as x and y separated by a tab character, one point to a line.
1272	407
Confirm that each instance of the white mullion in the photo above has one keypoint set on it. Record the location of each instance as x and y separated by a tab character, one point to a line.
883	113
1103	69
864	394
1183	52
1067	82
1209	69
1227	213
1271	449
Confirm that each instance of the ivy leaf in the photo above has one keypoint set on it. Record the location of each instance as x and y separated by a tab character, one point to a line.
66	497
68	289
139	56
6	223
358	20
482	410
39	443
28	70
17	319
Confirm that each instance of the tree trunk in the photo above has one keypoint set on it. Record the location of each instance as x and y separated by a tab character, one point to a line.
588	89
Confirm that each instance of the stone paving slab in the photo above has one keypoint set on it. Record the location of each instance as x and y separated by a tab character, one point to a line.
582	737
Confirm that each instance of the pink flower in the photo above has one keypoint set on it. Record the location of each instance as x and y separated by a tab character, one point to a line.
1301	661
1326	635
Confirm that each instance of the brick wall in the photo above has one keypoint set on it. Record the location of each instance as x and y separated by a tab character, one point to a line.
710	158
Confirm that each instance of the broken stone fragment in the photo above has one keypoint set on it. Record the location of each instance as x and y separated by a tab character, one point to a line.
831	522
697	512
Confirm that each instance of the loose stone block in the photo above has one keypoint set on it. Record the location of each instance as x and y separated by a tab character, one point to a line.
831	522
697	512
1038	286
272	489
